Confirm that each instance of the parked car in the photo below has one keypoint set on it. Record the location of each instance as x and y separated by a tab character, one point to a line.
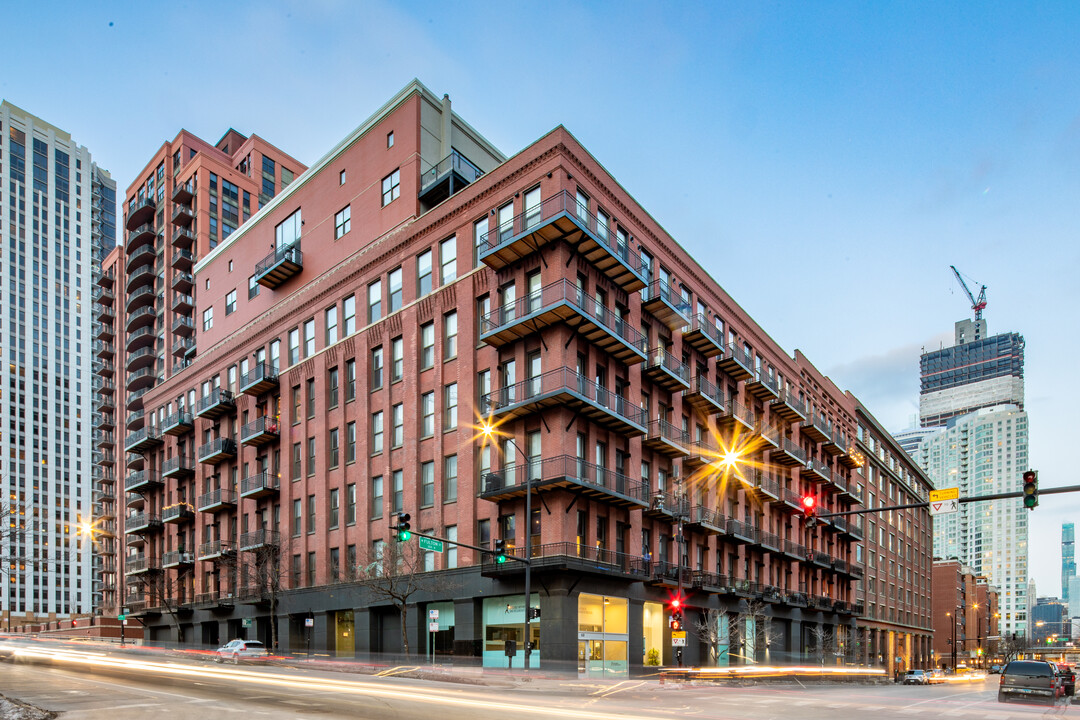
935	677
915	677
995	669
1068	679
1032	679
238	650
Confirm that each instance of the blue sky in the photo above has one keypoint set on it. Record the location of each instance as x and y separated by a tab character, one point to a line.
861	148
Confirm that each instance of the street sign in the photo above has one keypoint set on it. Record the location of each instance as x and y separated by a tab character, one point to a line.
678	639
431	544
433	627
245	622
944	507
945	494
433	614
309	622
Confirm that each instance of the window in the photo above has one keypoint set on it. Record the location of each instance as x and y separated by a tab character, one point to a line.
350	508
230	302
427	414
450	407
335	553
448	260
450	335
397	359
376	432
331	325
423	273
342	221
333	449
253	287
296	405
398	480
349	306
294	346
427	346
397	417
391	187
287	231
449	490
310	388
427	484
335	502
297	517
341	178
332	388
310	514
350	442
309	338
310	456
480	238
389	139
376	496
350	380
376	367
451	549
394	281
208	318
532	207
374	292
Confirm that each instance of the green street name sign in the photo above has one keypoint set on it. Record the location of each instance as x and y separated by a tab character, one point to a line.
430	544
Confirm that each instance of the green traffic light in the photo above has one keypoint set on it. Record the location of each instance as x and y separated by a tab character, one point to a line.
500	559
404	535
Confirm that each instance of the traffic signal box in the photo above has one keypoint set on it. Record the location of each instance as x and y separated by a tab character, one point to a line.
676	609
500	551
403	529
809	509
1031	489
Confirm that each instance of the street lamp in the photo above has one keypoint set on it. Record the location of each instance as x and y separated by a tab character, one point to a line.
954	618
488	431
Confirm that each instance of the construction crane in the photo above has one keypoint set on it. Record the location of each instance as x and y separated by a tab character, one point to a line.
977	304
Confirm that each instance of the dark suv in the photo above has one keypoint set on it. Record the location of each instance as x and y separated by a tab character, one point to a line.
1068	679
1034	679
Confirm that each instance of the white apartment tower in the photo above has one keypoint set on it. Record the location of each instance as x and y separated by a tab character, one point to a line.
57	220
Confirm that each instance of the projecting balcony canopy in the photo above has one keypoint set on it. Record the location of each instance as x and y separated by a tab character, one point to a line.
182	303
178	423
261	378
762	485
178	467
217	450
142	440
448	176
260	431
141	254
177	558
704	335
259	539
704	396
566	388
666	505
788	454
141	481
220	499
666	438
183	239
569	473
789	407
142	358
736	419
182	214
183	192
666	371
261	485
179	513
141	276
737	362
217	403
708	520
662	302
817	427
215	550
142	297
142	523
182	281
560	217
564	302
140	212
140	564
280	265
764	385
579	558
182	260
817	471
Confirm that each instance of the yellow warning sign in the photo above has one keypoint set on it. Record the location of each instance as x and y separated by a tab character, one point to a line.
944	494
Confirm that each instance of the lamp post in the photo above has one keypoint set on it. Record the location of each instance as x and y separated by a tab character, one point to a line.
489	431
954	615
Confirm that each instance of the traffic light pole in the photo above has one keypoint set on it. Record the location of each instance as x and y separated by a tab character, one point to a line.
975	498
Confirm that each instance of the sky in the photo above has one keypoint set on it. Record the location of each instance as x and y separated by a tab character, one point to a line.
826	162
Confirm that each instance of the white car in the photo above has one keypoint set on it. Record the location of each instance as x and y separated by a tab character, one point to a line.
238	650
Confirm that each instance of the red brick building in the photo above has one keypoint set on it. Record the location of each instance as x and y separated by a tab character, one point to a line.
355	330
965	607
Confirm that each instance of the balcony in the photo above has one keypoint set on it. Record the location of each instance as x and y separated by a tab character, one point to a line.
735	420
135	420
836	443
668	574
183	346
183	214
768	435
704	336
793	550
217	450
260	379
141	565
761	485
768	541
666	371
260	431
662	302
737	362
817	427
667	506
817	471
143	276
788	454
214	550
558	559
663	437
563	302
448	176
707	520
183	325
105	333
142	358
105	314
143	317
178	559
702	451
561	218
139	255
182	303
141	298
741	532
103	296
704	396
259	540
183	192
789	407
107	279
764	385
178	423
104	350
564	388
141	379
259	486
105	458
851	458
140	212
143	337
142	440
182	281
280	265
215	500
567	472
142	523
178	467
847	528
141	482
219	402
177	514
789	501
182	260
106	388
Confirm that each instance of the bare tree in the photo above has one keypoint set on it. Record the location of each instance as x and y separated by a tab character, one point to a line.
824	641
168	593
1009	646
397	574
709	630
263	575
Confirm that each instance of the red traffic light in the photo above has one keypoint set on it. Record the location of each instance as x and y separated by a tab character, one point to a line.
676	603
808	503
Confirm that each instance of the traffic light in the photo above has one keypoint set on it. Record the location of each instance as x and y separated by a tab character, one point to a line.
809	509
500	551
1031	489
403	527
676	607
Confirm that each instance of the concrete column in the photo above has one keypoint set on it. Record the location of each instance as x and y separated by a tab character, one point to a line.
468	621
794	643
362	629
446	129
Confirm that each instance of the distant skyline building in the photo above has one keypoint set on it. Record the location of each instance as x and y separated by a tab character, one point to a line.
910	439
976	390
1068	558
1050	621
60	222
1074	593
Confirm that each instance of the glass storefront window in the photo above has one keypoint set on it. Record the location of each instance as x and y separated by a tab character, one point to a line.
603	639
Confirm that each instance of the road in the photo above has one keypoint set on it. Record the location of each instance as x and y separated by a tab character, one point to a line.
93	689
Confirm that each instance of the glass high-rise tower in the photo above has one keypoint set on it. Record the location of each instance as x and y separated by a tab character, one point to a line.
57	221
1068	557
